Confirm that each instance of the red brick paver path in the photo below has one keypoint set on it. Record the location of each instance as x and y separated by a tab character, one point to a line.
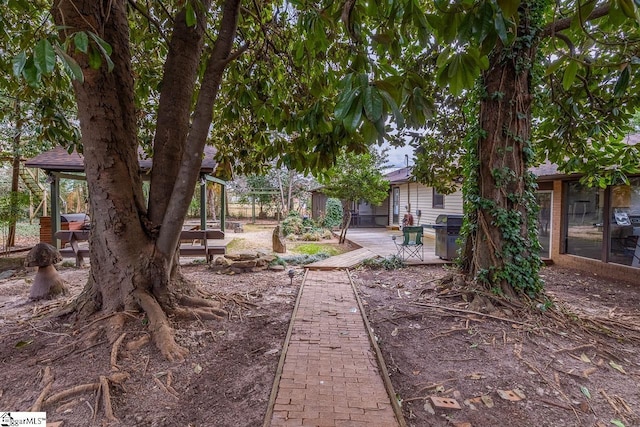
330	375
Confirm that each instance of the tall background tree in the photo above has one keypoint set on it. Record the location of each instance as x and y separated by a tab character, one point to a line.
355	178
36	112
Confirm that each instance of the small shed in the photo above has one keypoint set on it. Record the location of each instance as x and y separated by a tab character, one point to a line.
58	163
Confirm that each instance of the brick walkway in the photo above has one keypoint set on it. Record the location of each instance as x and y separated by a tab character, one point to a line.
330	376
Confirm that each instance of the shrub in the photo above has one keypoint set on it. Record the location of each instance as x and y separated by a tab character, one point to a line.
304	259
392	262
333	214
292	224
327	234
311	236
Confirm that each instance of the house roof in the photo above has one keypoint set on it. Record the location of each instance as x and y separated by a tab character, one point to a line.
60	160
399	176
548	171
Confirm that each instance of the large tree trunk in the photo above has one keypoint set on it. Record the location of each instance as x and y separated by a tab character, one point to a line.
500	251
133	253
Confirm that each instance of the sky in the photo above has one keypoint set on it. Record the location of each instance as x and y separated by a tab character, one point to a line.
396	159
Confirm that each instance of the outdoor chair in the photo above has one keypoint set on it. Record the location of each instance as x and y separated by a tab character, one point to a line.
411	245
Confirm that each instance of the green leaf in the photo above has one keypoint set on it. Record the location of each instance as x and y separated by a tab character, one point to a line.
483	22
105	49
586	10
399	118
509	7
31	73
18	63
622	83
372	103
95	60
23	343
569	75
501	28
70	64
352	120
81	40
628	8
190	15
617	367
617	423
344	104
44	57
553	67
585	391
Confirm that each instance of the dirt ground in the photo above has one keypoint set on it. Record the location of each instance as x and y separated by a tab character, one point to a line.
575	364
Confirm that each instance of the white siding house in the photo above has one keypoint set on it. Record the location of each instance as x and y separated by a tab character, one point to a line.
424	203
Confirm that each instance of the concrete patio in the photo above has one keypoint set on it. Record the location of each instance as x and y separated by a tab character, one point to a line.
380	242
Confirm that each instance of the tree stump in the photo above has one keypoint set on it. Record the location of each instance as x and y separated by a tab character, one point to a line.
277	240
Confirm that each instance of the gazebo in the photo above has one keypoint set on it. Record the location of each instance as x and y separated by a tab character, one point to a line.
59	164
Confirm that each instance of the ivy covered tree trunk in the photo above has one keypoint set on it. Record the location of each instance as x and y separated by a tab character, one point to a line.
133	245
501	250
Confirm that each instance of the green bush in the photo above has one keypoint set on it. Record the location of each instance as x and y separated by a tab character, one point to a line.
311	236
294	227
292	224
15	213
327	234
333	213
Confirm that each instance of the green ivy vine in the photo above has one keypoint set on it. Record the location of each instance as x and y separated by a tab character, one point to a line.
519	263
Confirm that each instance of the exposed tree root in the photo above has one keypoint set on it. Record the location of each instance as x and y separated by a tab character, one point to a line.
191	301
200	308
116	378
108	316
47	382
79	389
114	352
161	331
114	327
171	392
169	382
138	343
60	409
459	310
200	313
106	399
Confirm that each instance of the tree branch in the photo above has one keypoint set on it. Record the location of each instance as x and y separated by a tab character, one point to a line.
565	23
201	121
567	41
149	18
